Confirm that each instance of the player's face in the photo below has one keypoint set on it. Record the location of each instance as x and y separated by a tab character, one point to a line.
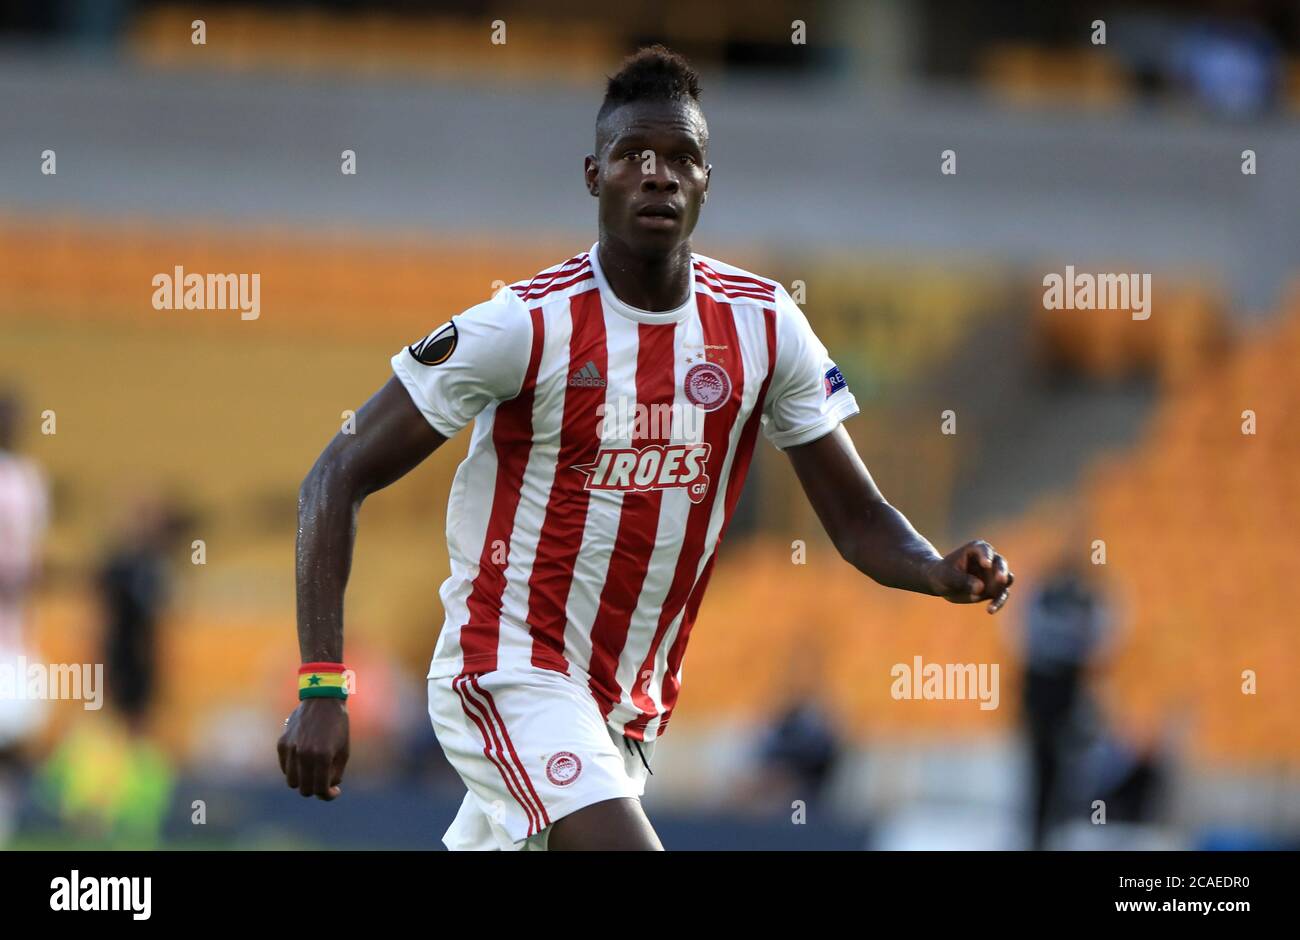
650	175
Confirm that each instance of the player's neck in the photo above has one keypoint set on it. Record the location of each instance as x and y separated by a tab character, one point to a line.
653	284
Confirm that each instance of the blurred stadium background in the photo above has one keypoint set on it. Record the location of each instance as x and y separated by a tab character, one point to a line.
174	426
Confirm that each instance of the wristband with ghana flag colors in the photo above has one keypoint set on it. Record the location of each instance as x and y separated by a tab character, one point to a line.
322	680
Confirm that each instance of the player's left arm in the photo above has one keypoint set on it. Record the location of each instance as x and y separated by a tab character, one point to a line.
877	539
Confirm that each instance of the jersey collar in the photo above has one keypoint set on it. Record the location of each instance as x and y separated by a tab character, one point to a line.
609	298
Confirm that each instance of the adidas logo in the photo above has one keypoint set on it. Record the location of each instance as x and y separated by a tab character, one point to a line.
587	377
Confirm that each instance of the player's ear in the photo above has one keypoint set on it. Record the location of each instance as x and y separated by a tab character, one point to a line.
591	173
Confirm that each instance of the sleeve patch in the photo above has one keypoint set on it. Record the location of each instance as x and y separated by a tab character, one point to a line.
834	381
437	347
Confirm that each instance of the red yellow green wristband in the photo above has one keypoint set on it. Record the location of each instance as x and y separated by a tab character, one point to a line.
322	680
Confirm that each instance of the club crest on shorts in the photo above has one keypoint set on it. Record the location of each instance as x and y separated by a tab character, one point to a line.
707	386
563	768
437	347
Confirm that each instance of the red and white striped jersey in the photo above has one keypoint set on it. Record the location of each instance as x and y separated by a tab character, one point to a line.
609	449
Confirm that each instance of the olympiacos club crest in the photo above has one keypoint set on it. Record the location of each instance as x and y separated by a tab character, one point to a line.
707	386
563	768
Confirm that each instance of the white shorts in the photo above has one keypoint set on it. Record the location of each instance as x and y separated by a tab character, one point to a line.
531	747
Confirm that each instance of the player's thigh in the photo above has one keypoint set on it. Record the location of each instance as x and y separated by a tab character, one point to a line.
611	825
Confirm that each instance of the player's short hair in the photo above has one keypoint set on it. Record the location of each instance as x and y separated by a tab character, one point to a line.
652	73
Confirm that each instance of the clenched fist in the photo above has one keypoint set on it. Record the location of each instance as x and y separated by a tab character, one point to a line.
314	747
971	574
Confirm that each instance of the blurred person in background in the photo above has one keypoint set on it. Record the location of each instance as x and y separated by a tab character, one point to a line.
798	750
24	507
134	583
1065	625
107	778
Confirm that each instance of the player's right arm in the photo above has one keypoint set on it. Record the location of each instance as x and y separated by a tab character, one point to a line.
439	385
392	437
